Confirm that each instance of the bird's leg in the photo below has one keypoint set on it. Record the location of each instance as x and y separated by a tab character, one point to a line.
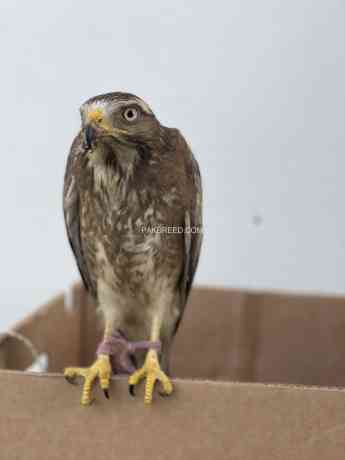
100	369
151	369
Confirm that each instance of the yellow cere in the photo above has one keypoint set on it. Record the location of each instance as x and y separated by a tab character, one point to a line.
95	115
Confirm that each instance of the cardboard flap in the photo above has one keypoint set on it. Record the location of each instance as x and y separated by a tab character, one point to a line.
202	420
262	337
54	330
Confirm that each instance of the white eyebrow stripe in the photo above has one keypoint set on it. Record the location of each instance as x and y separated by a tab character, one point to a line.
99	104
105	105
139	102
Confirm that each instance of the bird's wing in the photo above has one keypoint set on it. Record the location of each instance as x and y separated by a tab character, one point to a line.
71	208
193	225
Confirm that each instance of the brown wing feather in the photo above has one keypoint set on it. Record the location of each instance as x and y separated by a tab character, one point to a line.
192	221
193	239
71	208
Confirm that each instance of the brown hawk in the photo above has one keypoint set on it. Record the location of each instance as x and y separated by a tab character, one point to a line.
133	213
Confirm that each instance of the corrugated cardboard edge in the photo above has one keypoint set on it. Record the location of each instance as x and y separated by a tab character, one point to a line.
300	293
179	381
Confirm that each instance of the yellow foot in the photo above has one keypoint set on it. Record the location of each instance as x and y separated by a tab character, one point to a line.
100	369
152	371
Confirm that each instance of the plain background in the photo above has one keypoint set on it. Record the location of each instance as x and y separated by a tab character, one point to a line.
256	87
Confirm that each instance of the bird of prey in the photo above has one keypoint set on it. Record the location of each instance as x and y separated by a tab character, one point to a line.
133	212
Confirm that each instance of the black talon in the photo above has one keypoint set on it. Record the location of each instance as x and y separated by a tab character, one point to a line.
163	394
131	390
70	380
106	393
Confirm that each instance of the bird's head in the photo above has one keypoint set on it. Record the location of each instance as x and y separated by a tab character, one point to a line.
118	117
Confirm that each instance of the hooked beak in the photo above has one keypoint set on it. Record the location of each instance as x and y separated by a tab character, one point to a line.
90	135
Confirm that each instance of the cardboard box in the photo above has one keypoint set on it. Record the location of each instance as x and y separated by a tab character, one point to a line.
256	378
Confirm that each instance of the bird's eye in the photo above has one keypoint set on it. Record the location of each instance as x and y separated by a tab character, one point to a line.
130	114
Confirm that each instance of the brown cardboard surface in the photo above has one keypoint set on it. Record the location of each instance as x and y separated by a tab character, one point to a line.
227	335
262	337
41	418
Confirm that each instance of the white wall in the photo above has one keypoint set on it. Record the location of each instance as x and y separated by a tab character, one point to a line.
256	87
